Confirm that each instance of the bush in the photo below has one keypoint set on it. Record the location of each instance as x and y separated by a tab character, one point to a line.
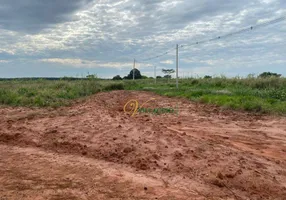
269	74
194	82
117	78
114	86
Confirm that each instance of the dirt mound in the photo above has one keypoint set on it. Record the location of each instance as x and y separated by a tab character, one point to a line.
201	151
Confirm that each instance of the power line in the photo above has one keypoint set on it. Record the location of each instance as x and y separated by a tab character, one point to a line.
143	62
158	56
209	40
218	37
237	32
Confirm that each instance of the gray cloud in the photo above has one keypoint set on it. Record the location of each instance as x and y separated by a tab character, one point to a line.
34	15
66	32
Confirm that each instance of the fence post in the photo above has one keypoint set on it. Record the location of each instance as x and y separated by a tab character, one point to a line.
155	77
177	67
134	70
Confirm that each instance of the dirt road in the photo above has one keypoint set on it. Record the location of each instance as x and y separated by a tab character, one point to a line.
93	150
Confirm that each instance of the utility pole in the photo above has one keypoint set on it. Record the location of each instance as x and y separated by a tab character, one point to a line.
177	66
134	70
155	74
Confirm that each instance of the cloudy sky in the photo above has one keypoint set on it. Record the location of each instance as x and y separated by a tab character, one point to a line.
55	38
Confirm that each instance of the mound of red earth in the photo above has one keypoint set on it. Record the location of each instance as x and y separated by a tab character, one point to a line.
93	150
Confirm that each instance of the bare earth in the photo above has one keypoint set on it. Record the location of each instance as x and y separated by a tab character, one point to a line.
93	150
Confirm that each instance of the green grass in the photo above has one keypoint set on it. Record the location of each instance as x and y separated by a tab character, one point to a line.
50	93
263	95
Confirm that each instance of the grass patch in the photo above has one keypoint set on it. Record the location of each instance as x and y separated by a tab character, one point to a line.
50	93
262	95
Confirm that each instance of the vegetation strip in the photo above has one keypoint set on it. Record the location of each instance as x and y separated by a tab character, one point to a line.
265	94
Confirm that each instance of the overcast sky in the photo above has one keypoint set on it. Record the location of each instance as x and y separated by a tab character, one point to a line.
55	38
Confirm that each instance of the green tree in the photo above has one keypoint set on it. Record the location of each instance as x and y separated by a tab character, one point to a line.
207	77
137	74
168	73
92	76
269	74
144	77
117	77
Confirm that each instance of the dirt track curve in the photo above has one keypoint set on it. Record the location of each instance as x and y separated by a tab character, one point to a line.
93	150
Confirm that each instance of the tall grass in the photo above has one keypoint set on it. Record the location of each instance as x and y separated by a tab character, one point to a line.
54	93
264	95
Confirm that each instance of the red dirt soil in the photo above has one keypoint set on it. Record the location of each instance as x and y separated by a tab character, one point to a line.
93	150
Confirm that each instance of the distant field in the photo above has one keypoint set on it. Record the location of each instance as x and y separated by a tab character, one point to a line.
263	95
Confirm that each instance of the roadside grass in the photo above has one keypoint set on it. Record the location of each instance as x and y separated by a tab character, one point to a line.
262	95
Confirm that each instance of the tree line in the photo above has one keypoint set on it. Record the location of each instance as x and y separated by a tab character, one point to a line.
168	72
137	75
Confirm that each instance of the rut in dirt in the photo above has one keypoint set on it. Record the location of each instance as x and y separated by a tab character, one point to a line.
216	153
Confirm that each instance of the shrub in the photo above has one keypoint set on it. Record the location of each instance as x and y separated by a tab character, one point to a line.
114	86
269	74
117	78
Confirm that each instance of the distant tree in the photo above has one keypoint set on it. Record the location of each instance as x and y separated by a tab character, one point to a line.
158	76
68	78
117	77
168	73
207	77
269	74
144	77
137	74
91	76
